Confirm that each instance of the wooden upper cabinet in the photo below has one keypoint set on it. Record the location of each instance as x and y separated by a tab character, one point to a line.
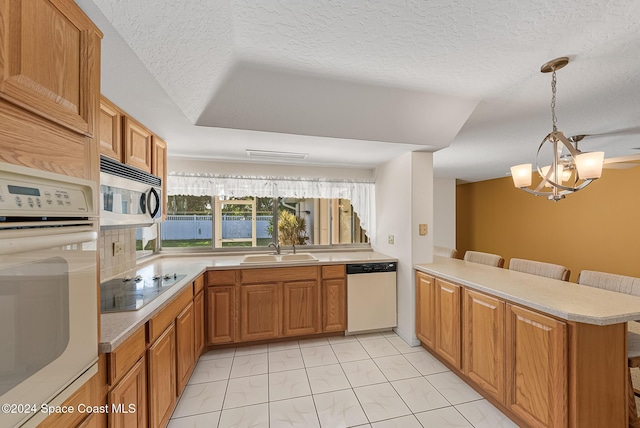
159	169
536	367
484	341
110	130
448	302
426	309
138	142
51	61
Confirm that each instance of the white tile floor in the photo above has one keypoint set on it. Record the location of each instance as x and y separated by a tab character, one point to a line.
373	380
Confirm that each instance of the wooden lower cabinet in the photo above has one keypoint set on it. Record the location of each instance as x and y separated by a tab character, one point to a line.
426	309
448	303
185	348
301	308
221	312
260	310
161	358
199	330
128	399
536	356
334	304
483	338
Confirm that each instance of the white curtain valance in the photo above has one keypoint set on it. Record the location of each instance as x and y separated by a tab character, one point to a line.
360	193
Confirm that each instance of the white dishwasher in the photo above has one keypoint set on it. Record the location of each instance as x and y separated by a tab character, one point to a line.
371	297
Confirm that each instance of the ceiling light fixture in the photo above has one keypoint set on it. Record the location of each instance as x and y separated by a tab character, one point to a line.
275	155
571	169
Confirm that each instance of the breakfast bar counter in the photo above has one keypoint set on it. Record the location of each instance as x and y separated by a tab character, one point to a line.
547	353
566	300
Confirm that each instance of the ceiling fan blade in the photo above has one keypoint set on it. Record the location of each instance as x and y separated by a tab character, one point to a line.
622	162
625	131
622	159
622	165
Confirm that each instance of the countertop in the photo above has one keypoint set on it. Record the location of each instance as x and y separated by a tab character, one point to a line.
565	300
116	327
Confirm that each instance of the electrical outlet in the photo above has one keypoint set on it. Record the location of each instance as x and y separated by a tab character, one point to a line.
118	248
422	229
390	239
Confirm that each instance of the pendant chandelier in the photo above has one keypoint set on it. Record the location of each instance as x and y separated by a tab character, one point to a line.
570	170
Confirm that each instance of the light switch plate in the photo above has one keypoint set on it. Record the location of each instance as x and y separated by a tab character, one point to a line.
390	239
423	229
118	248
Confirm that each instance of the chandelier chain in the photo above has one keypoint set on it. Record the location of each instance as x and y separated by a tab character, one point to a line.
554	119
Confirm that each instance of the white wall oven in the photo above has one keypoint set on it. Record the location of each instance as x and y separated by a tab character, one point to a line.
48	291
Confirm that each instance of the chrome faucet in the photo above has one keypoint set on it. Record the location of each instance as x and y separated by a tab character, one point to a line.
276	246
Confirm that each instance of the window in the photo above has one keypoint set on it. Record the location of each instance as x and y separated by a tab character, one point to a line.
249	222
146	240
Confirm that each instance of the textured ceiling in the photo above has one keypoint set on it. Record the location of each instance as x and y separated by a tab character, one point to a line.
358	82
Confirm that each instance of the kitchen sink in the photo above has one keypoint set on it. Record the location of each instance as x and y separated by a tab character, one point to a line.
301	257
278	258
260	258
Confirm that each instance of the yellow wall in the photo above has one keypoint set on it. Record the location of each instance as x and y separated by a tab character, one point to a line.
597	228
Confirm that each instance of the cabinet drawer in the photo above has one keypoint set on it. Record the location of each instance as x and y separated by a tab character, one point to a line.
198	285
126	355
334	271
256	276
161	321
221	277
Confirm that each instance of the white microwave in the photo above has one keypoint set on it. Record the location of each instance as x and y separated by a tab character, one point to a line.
129	197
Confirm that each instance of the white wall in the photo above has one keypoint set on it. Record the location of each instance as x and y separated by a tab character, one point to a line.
265	169
404	199
444	212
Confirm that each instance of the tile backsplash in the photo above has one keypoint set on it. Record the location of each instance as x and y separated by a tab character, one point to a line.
111	265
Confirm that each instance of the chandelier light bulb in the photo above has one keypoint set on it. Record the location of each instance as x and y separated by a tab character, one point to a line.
521	175
589	165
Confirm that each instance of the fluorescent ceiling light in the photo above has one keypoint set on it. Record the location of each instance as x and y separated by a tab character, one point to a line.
275	155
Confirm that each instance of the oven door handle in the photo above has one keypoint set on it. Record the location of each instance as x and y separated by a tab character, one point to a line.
23	244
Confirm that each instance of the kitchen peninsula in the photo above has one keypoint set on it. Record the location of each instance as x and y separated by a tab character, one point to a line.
547	353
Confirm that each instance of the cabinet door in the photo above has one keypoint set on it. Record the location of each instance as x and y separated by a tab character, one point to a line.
260	310
185	347
128	399
334	305
159	169
536	373
51	61
426	309
301	308
484	342
137	144
162	378
198	309
110	130
448	321
221	314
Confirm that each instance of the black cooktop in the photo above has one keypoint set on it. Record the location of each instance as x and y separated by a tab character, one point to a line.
131	294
